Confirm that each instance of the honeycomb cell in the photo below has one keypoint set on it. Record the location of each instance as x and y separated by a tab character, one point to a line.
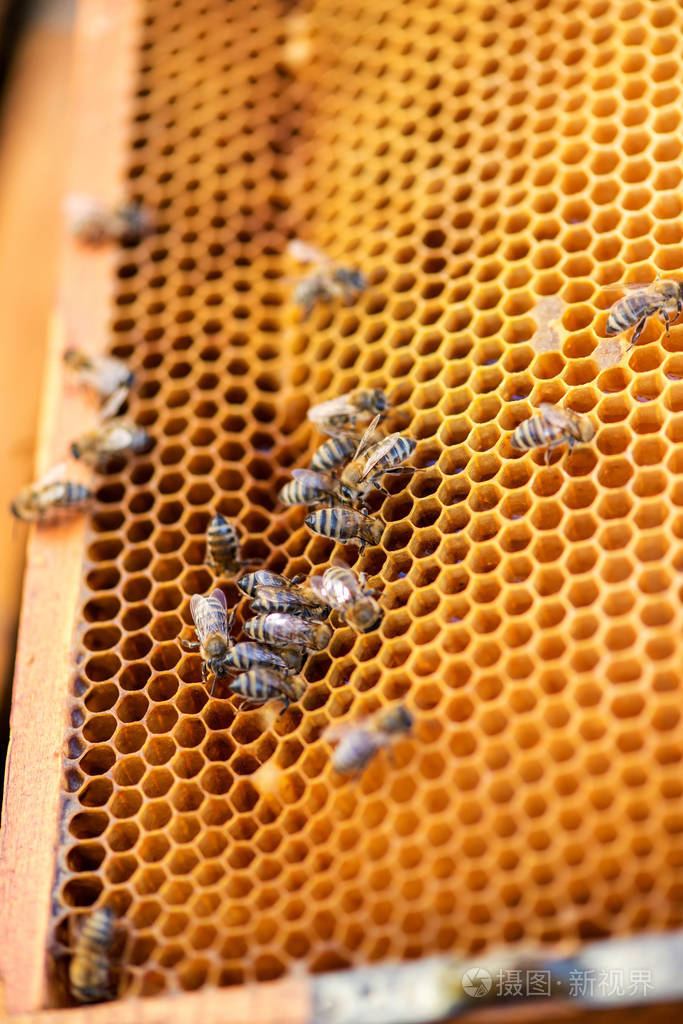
532	614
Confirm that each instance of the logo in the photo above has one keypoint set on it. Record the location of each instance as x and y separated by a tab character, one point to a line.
477	982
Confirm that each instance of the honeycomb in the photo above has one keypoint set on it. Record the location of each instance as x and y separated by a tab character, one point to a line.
490	168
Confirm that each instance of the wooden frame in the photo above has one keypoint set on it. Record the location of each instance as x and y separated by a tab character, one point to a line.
44	667
31	818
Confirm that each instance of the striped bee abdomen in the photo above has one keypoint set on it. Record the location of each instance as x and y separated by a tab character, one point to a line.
629	311
223	545
532	433
333	453
260	685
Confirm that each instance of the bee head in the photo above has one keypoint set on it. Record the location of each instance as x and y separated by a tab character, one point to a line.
398	719
357	280
586	431
352	476
381	400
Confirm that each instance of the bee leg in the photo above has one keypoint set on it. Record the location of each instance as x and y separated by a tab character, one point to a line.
286	705
640	326
665	317
553	445
189	645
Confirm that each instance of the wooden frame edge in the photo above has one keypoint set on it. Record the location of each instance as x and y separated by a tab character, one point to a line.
44	670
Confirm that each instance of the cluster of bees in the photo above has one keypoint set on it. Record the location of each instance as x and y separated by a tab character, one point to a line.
293	616
115	436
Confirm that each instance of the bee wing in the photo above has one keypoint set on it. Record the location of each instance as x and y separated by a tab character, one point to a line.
77	205
335	733
110	374
627	286
54	474
114	404
341	406
313	479
209	614
379	450
338	592
316	584
367	438
304	252
558	416
298	630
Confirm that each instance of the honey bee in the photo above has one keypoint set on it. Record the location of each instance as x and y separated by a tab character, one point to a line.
333	453
90	966
245	656
51	494
279	629
104	374
223	546
120	436
210	617
374	459
358	742
337	415
251	582
663	298
328	282
552	427
261	684
261	578
94	223
346	592
309	488
346	524
291	600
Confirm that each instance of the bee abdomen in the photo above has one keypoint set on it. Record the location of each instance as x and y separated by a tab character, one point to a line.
247	655
261	578
140	440
354	751
296	493
89	970
627	312
276	599
401	450
332	522
223	543
89	977
532	433
262	684
74	494
333	453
